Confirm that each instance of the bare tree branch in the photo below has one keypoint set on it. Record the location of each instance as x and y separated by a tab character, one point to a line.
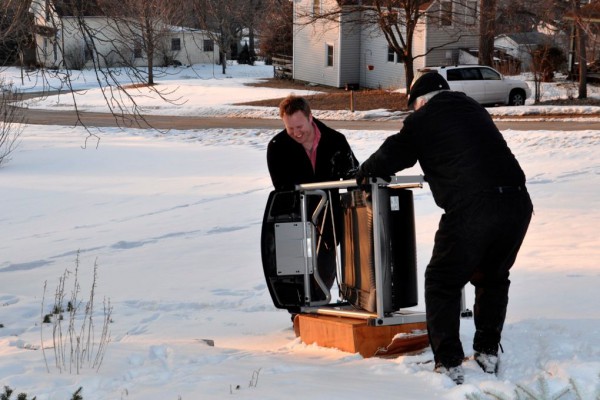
110	34
11	119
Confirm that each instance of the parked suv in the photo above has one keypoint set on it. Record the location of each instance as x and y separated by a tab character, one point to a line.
484	84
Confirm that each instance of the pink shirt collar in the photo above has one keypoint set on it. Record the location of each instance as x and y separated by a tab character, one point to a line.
312	154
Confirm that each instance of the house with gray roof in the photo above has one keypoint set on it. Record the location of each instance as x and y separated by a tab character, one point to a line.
79	34
521	45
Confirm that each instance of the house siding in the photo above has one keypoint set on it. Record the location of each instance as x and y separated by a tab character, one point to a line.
310	48
419	45
192	48
113	52
384	74
350	54
437	38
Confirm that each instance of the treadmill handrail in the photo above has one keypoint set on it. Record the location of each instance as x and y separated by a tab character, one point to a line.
400	182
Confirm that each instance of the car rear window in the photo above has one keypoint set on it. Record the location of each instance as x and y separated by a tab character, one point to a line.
489	75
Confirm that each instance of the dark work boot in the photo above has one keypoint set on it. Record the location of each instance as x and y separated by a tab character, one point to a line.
487	362
457	374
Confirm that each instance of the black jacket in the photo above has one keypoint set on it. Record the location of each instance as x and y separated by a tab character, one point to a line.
458	146
289	164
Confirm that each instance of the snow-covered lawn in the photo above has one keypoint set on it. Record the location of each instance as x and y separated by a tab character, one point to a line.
173	223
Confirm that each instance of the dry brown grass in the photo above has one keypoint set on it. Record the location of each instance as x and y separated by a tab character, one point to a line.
335	98
364	99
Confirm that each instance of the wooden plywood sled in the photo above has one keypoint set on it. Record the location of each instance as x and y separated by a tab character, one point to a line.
356	336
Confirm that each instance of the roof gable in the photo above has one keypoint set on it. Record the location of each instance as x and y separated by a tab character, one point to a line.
527	38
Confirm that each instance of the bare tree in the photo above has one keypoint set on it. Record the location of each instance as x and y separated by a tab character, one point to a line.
581	20
580	37
524	15
255	10
14	38
15	31
34	32
111	33
147	25
11	118
487	31
567	17
521	21
276	28
546	59
136	31
223	22
399	20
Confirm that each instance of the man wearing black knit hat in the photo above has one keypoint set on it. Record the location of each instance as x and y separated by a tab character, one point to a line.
476	180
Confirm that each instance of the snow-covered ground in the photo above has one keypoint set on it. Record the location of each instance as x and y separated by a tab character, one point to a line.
173	223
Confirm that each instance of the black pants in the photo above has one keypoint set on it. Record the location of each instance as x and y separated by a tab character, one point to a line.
479	244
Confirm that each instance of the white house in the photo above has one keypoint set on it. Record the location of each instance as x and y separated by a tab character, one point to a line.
348	51
521	45
191	46
64	40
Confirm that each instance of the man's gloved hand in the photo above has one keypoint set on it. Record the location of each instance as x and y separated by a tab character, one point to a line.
343	165
362	177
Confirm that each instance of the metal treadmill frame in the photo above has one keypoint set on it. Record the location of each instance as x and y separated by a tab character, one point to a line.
380	318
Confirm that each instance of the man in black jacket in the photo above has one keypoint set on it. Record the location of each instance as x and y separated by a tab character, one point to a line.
308	151
478	182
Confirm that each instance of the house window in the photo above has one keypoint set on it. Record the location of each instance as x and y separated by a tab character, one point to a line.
208	45
316	7
471	13
137	48
330	55
175	44
449	57
391	54
446	13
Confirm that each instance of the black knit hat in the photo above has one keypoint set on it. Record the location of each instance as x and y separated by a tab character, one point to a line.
427	83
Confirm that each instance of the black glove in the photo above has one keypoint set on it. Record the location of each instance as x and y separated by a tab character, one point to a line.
343	165
362	177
